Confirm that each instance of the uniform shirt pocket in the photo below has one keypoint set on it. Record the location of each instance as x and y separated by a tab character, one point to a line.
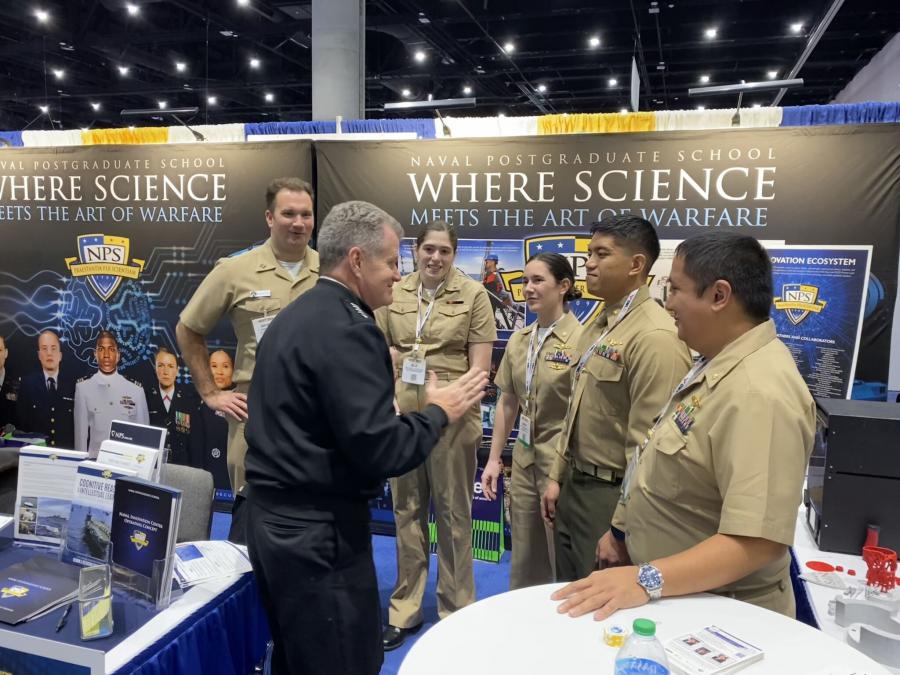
402	323
666	462
606	377
249	309
452	322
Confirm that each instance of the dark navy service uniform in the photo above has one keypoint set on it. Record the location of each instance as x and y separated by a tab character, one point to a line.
9	394
207	448
323	435
178	420
48	410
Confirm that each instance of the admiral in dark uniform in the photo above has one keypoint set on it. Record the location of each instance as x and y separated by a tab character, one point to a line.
323	434
9	390
172	406
46	398
209	430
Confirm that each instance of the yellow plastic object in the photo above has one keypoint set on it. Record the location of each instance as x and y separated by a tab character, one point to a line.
614	635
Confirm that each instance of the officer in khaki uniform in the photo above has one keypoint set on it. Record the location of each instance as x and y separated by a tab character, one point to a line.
631	360
550	344
250	288
459	319
711	501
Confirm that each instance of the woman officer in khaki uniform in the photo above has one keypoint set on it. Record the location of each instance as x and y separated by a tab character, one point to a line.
535	376
440	321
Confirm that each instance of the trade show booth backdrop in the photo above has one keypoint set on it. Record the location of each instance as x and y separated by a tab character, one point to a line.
119	236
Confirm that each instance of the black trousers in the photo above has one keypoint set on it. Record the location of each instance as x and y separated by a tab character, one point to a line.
318	587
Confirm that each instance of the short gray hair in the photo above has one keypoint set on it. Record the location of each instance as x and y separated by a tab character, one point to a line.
352	224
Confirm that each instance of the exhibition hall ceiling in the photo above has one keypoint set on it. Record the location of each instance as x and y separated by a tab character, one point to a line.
78	63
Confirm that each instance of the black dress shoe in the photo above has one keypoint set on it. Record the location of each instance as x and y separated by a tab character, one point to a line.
393	637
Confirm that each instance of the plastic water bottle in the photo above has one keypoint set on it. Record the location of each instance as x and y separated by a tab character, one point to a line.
642	652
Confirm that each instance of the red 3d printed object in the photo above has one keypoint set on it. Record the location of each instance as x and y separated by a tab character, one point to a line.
882	564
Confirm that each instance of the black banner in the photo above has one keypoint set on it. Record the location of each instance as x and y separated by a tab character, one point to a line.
803	185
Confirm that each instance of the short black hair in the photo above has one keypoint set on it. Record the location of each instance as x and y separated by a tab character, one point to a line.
106	334
633	232
736	258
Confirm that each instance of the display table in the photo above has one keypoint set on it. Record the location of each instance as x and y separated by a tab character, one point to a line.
521	632
217	628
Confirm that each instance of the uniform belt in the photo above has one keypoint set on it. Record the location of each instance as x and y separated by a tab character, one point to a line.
607	475
441	375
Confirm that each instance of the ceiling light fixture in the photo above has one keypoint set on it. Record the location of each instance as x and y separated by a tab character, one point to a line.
509	47
623	111
467	90
613	82
269	97
406	93
59	73
132	8
243	3
95	106
180	66
701	107
704	79
44	108
419	56
796	28
211	100
542	88
711	33
162	105
594	41
123	70
42	15
255	63
772	74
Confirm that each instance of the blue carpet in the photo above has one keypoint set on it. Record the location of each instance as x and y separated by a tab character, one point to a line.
490	579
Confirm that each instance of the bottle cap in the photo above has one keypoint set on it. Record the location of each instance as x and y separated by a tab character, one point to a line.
614	635
644	627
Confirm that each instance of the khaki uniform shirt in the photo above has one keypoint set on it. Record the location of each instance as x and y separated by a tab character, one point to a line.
550	387
461	316
729	458
622	387
248	286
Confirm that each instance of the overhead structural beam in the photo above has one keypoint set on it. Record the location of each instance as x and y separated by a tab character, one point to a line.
338	59
811	43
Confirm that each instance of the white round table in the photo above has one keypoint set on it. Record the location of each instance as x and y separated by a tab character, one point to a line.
521	632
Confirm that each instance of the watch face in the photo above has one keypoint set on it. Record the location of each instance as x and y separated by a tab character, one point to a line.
649	577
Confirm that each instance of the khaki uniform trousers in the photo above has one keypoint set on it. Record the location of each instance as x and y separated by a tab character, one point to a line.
533	559
446	479
237	448
583	514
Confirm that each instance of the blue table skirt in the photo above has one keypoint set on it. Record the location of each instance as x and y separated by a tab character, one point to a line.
228	637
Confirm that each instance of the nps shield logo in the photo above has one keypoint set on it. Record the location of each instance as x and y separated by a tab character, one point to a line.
14	591
139	539
103	260
575	248
798	300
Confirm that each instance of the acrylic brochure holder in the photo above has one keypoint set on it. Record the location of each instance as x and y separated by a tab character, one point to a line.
95	616
155	590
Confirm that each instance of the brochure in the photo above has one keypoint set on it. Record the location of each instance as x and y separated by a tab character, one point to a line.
199	561
34	587
710	650
144	526
139	459
44	491
87	532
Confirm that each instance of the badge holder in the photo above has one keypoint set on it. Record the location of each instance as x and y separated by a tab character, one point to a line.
95	616
155	590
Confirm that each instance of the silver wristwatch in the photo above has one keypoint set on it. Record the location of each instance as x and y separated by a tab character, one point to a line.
651	580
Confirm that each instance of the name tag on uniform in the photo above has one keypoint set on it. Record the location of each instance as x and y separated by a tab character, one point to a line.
525	430
413	370
260	325
261	294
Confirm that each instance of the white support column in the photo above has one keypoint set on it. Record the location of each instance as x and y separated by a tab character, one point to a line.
338	59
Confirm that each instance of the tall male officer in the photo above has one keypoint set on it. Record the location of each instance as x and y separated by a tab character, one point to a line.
711	499
9	390
323	436
47	397
251	288
172	406
104	397
631	360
